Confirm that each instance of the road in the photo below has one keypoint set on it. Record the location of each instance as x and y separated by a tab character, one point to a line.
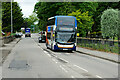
30	59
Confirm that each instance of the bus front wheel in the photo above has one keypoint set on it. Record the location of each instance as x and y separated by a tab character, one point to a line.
70	51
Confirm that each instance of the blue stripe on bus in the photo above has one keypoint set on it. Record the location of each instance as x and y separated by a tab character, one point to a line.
56	21
75	22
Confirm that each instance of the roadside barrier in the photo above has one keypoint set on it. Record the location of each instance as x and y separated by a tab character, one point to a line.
6	40
99	44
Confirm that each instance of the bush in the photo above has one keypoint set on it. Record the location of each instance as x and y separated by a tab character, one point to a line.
110	23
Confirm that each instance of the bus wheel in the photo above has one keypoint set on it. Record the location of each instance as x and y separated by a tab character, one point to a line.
39	41
70	51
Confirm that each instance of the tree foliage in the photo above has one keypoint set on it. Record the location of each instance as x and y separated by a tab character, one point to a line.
0	19
97	15
110	23
85	22
30	20
45	10
16	16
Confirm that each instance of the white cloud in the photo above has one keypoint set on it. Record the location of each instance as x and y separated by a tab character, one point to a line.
27	6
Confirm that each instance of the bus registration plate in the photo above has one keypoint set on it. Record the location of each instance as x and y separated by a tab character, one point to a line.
65	49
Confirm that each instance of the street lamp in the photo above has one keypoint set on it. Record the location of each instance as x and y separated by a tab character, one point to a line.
11	19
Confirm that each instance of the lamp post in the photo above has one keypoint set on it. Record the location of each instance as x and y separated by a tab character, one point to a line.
11	19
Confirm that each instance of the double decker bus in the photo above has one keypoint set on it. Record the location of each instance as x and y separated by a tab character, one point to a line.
61	33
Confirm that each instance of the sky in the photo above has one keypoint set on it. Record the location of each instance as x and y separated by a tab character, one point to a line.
27	6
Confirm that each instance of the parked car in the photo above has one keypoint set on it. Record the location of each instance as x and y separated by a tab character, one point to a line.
18	34
42	37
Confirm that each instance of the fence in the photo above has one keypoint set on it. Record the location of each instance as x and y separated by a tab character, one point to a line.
99	44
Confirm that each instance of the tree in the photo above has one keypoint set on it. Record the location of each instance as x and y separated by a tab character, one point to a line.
16	16
65	8
30	20
0	28
0	19
85	22
45	10
97	15
110	24
33	18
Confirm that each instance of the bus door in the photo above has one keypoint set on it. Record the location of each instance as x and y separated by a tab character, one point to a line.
49	36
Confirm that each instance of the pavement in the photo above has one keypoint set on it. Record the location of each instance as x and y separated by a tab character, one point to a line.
99	54
6	49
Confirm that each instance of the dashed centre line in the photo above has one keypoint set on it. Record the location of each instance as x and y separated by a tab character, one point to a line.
81	68
49	55
63	69
64	60
54	60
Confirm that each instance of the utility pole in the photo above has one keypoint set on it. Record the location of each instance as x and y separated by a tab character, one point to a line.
11	19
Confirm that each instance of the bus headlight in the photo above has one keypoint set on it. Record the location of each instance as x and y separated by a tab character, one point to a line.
75	44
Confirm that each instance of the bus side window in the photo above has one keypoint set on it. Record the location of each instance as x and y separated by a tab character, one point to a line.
48	35
55	36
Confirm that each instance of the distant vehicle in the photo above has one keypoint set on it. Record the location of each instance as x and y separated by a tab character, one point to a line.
27	32
42	37
18	34
61	33
3	33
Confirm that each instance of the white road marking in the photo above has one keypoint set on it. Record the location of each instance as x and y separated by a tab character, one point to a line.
55	56
67	53
64	60
98	76
57	53
81	68
63	69
72	77
45	52
54	60
40	47
49	55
